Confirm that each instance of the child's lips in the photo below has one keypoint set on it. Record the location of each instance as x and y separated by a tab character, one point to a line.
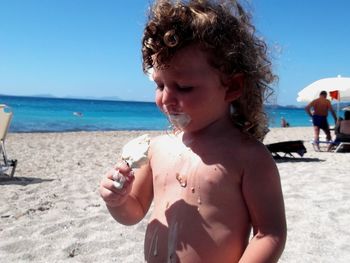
173	112
179	119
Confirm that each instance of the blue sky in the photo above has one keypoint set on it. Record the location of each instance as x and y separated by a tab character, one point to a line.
92	47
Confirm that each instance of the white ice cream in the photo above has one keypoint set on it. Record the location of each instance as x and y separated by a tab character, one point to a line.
135	152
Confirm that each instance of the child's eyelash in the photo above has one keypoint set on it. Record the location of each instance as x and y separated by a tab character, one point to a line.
179	88
159	87
184	88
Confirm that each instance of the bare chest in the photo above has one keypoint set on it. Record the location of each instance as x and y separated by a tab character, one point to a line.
198	209
181	174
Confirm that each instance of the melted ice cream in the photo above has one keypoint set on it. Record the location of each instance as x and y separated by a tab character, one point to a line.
179	120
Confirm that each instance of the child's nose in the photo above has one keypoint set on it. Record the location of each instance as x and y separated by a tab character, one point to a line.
169	97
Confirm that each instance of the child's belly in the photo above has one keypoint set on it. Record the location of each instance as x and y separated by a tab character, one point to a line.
190	232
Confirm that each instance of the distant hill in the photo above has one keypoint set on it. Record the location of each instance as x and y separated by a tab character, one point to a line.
92	97
43	96
110	98
276	106
113	98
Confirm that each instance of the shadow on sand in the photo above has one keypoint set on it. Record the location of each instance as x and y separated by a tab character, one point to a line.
7	180
296	159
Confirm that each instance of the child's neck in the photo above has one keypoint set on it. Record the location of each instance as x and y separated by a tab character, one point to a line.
216	128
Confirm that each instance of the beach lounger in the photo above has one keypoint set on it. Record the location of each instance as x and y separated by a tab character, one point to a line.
342	140
287	147
5	163
322	145
336	146
343	147
342	143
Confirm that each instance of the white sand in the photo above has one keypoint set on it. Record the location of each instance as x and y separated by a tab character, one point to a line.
52	212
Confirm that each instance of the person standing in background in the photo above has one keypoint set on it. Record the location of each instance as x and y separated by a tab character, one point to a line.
320	107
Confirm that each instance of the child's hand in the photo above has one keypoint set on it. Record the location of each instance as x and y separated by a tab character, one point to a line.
116	186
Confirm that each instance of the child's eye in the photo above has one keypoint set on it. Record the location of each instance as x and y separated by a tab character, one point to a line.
160	87
184	88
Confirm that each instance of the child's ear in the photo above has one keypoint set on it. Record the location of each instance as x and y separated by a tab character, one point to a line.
234	85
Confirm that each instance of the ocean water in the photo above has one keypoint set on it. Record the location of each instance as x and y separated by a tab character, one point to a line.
33	114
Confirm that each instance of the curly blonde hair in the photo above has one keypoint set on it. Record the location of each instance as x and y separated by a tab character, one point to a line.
223	29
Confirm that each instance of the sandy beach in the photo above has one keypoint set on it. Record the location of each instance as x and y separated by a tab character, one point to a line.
52	212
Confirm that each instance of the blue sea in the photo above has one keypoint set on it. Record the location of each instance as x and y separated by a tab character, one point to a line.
34	114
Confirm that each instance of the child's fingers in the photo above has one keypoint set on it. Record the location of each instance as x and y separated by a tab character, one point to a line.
110	194
116	185
111	198
117	182
123	167
121	173
107	184
119	179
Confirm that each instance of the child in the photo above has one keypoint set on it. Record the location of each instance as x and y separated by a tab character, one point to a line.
211	181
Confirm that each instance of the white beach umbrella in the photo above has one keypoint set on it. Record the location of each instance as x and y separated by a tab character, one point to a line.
312	91
337	88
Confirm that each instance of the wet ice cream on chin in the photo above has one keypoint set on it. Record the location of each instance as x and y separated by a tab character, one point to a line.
135	154
179	119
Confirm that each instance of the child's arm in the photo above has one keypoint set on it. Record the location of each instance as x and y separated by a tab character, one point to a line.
130	204
262	192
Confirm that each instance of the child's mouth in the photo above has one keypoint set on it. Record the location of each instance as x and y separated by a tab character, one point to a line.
179	119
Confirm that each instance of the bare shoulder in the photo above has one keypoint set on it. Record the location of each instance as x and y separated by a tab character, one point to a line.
162	143
249	148
238	153
161	140
260	163
256	150
247	159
